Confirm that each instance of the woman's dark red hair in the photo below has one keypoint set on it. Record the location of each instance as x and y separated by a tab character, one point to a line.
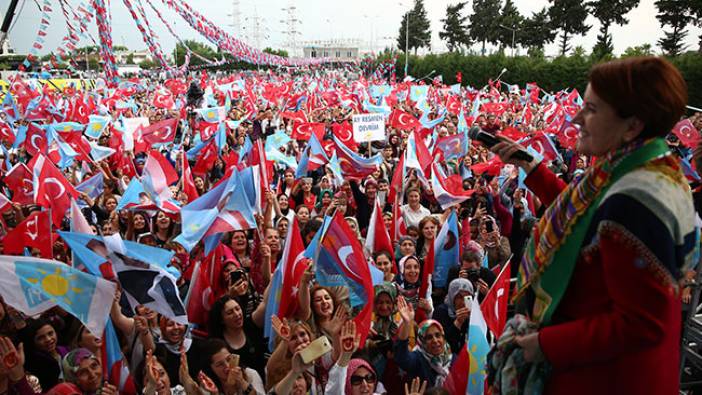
648	88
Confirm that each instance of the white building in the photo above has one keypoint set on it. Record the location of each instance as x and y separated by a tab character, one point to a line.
340	53
137	57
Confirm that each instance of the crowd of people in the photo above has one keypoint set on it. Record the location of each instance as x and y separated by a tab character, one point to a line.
416	330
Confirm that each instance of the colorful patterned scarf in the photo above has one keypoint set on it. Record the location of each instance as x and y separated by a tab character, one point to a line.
552	251
439	363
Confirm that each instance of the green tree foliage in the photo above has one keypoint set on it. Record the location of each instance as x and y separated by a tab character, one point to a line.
551	74
199	48
537	32
609	12
568	16
483	22
511	18
639	50
419	33
278	52
455	31
676	14
130	59
147	64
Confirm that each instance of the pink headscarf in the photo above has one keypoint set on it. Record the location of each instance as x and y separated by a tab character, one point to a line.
354	364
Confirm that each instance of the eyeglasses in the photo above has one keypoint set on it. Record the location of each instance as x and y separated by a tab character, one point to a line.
357	380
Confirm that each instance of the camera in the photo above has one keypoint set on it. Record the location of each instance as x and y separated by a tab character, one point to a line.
235	276
474	275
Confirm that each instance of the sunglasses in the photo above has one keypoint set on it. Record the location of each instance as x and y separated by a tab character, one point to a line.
369	378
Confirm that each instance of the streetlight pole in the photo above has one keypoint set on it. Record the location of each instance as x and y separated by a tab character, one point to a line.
406	41
514	31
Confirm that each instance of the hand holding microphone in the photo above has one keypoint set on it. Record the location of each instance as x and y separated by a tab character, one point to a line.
508	150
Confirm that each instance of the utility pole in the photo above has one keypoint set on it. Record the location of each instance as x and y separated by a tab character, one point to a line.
7	21
291	22
514	31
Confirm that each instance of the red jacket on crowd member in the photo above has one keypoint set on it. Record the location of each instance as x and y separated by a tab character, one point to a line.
617	328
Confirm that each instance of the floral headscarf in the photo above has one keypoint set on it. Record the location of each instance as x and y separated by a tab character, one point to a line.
439	363
71	363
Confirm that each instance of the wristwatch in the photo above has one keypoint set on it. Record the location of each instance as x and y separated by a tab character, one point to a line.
249	389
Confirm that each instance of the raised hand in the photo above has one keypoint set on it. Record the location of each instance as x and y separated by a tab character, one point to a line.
207	383
405	309
281	328
12	359
417	388
349	339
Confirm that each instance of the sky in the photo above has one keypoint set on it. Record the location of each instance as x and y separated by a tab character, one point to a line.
372	24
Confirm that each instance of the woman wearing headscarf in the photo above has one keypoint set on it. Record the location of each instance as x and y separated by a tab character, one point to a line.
599	277
384	325
432	359
454	314
83	369
409	282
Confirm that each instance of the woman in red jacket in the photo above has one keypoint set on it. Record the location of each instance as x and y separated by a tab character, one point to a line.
599	275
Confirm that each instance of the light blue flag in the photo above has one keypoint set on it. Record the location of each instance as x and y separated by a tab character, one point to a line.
335	168
478	349
211	114
93	187
132	194
96	125
21	135
418	93
378	91
456	88
380	109
78	242
272	306
98	152
446	254
277	140
33	285
278	157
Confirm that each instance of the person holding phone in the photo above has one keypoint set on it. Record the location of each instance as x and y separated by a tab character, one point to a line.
454	313
496	246
599	277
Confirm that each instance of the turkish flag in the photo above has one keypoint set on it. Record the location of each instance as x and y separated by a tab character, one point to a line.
403	121
294	266
491	167
344	132
494	306
453	105
687	133
207	129
160	132
19	179
163	99
542	144
206	160
81	111
297	116
188	183
377	237
35	141
52	189
304	130
427	270
34	231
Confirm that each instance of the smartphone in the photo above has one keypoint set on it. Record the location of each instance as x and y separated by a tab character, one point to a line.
235	276
489	227
467	301
316	349
233	361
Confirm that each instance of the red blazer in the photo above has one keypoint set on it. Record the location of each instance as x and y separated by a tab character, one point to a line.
617	328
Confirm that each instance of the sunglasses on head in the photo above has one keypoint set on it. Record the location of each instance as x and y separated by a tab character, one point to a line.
369	378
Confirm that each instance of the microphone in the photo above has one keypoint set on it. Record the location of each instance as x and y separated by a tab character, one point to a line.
489	140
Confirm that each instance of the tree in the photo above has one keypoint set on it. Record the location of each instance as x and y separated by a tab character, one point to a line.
130	58
609	12
147	64
278	52
199	48
509	18
419	33
676	14
483	26
639	50
537	32
568	16
696	11
455	29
